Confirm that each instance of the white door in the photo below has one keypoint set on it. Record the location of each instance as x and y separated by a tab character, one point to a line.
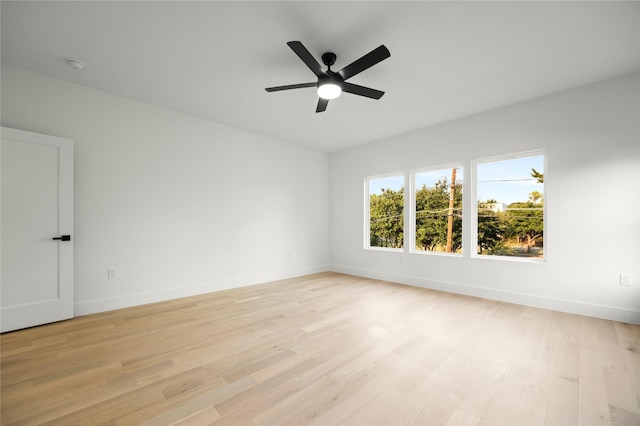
36	212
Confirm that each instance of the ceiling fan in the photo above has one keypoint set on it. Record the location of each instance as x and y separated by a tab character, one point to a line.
330	83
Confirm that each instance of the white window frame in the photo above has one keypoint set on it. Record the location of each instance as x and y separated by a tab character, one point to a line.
367	213
412	209
473	243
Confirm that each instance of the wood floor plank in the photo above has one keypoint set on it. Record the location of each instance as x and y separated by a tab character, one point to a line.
563	402
504	403
324	349
532	407
460	418
592	406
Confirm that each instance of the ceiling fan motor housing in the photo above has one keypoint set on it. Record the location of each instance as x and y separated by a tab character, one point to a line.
330	78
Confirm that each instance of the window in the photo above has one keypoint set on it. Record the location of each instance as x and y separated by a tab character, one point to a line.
510	207
385	213
438	210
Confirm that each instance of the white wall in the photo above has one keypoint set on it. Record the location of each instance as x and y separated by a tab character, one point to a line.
592	184
180	205
177	204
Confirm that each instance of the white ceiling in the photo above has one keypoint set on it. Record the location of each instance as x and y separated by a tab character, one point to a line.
214	59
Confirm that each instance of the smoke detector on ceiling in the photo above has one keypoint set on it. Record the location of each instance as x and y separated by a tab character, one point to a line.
75	64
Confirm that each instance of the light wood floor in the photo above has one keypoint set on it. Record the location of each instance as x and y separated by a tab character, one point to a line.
325	349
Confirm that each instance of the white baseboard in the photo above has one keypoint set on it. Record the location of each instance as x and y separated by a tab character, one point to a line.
135	299
533	300
537	301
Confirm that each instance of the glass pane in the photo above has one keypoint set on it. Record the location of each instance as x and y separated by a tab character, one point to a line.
386	212
511	207
439	210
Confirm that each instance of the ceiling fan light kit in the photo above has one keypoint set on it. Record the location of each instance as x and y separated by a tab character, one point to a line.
329	91
331	84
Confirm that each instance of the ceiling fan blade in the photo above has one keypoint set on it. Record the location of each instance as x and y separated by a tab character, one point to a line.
290	86
361	90
322	104
306	57
367	61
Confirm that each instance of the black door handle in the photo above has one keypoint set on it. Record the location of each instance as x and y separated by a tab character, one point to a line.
63	238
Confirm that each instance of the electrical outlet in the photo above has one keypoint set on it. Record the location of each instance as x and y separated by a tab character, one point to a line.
625	279
112	273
